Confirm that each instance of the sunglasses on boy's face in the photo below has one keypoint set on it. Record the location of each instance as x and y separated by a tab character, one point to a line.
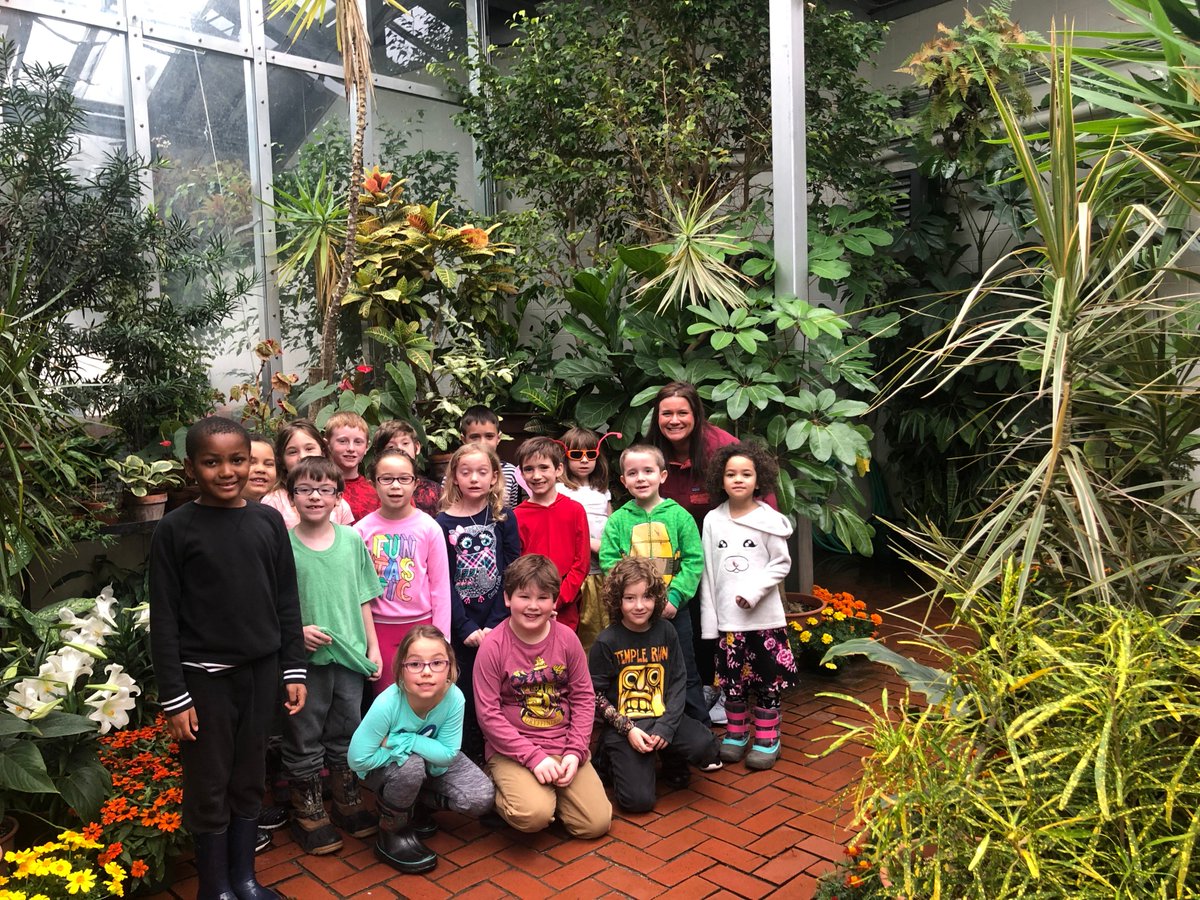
591	453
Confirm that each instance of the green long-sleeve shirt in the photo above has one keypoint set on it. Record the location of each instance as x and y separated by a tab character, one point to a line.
667	535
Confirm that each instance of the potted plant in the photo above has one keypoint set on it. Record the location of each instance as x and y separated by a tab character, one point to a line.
840	619
146	484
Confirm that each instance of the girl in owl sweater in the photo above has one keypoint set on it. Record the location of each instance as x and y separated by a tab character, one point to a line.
481	541
640	681
746	559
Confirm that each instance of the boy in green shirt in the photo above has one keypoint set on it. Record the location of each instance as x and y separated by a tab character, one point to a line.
665	533
337	582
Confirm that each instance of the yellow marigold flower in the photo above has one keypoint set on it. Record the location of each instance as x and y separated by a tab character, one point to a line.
806	636
114	869
827	611
830	666
15	895
811	620
60	867
115	888
839	616
81	882
827	639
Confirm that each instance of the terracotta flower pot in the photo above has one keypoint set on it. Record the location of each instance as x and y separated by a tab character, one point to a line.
797	606
146	509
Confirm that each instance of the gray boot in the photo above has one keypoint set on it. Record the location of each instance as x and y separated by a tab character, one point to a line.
398	845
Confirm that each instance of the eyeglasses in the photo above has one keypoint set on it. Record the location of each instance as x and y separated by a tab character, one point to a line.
416	666
389	480
306	490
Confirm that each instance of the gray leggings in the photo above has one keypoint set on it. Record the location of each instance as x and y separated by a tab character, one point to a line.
466	789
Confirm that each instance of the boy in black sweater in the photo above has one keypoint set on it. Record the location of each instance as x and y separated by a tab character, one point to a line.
224	619
640	681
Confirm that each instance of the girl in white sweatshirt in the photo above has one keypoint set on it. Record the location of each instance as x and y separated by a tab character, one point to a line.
745	561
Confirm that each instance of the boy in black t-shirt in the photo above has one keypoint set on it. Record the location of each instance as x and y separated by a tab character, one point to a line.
640	681
224	619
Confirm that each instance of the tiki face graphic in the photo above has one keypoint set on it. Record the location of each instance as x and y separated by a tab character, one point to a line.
640	691
539	692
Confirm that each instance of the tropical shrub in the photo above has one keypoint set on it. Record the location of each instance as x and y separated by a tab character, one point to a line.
1063	762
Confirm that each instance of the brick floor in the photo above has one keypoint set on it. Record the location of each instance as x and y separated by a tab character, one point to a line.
731	833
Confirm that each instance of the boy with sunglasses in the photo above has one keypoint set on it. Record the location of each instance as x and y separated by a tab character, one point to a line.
337	582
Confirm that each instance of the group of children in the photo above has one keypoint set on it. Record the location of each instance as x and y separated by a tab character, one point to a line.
485	626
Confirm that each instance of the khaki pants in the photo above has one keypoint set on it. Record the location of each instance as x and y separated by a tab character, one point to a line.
529	806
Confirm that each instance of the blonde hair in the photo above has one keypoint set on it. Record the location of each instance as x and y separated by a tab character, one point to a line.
346	419
451	494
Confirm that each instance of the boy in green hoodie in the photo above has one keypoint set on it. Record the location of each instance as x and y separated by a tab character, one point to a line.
666	534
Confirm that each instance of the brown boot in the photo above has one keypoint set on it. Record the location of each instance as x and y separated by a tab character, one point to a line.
310	826
348	812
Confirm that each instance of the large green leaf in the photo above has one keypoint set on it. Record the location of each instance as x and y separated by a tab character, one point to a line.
60	724
23	770
933	683
596	410
86	784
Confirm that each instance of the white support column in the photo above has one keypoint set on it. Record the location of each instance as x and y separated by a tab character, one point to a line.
788	124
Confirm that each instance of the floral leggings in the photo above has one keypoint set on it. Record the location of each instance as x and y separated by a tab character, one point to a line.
758	662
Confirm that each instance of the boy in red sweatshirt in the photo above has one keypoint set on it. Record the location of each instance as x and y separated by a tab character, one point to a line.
552	524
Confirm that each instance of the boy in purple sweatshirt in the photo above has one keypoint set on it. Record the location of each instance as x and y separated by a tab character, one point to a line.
535	703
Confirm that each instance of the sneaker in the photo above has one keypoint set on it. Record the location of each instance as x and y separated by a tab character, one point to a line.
711	767
272	817
262	840
716	712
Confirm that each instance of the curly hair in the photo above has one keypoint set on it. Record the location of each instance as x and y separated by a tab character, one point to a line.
631	570
766	470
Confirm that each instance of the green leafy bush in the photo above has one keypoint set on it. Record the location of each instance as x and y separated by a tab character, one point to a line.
1063	764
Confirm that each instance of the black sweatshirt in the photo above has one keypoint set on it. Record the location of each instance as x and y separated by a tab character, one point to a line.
639	678
222	594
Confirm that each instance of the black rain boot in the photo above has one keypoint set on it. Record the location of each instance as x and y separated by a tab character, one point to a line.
398	845
243	835
310	826
348	812
423	822
212	866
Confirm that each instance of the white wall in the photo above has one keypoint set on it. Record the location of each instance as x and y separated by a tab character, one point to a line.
909	33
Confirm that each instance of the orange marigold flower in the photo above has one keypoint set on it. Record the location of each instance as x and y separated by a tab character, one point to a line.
876	619
138	869
853	850
92	831
113	851
854	881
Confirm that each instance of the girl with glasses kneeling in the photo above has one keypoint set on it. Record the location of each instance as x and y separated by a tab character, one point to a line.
407	750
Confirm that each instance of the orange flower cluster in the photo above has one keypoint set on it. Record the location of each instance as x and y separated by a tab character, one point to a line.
845	604
142	820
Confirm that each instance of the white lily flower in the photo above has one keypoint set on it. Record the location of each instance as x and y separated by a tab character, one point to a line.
141	616
50	679
111	709
68	664
118	680
26	698
104	606
92	630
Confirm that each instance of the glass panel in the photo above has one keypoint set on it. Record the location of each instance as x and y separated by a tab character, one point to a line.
89	6
318	42
310	132
403	43
417	139
94	64
198	128
215	18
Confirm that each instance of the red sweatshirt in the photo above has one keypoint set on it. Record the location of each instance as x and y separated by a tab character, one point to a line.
559	531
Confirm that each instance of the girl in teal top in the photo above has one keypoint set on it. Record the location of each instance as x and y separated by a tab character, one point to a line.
407	750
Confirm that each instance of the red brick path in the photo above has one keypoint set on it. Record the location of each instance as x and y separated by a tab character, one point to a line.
732	833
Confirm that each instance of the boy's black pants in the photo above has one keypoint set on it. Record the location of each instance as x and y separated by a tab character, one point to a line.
633	772
224	768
